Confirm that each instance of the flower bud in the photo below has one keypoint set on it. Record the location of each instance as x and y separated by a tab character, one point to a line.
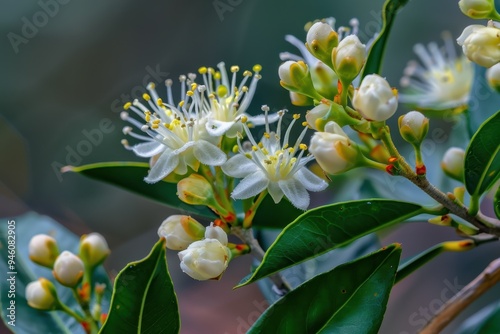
413	127
493	77
453	163
216	232
324	80
300	100
42	295
68	269
195	190
205	259
315	115
321	39
348	58
333	150
93	249
43	250
180	231
375	100
481	44
295	76
477	9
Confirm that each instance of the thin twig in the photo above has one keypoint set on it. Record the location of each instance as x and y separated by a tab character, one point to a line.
487	279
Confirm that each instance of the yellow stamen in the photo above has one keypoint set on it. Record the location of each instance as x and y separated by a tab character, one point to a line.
303	147
202	70
257	68
146	96
247	73
235	69
127	105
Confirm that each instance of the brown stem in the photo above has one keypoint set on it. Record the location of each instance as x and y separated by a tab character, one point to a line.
487	279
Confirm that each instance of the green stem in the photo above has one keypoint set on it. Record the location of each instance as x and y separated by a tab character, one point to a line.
250	213
70	312
89	319
474	204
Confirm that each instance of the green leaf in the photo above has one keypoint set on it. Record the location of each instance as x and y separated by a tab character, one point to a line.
143	299
328	227
485	321
130	175
351	298
482	158
272	215
376	53
26	226
496	203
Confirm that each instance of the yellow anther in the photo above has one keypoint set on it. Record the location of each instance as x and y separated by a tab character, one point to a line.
291	150
152	85
267	135
285	146
154	126
244	89
268	161
221	91
247	73
181	103
211	70
127	105
189	93
157	121
211	96
303	147
193	86
305	123
148	117
159	101
296	116
146	96
167	125
217	76
235	68
257	68
244	119
260	145
248	155
265	151
293	160
235	149
202	70
255	148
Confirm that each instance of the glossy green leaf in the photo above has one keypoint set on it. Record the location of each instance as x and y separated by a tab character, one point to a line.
130	175
26	226
376	53
328	227
485	321
351	298
482	158
143	299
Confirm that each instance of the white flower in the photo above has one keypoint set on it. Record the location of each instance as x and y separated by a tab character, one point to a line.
333	150
43	250
68	269
274	165
481	44
177	134
93	249
375	100
216	232
176	235
205	259
41	294
443	82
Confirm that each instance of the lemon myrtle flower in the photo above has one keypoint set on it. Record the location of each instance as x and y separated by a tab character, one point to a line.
442	81
176	135
481	44
275	165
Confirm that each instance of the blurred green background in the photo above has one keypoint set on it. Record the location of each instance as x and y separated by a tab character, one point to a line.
66	78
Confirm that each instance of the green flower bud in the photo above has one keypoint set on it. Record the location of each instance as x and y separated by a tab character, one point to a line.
195	190
477	9
413	127
43	250
42	295
295	76
321	39
348	58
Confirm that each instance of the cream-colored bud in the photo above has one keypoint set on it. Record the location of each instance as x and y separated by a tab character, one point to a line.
180	231
42	295
481	44
43	250
300	100
68	269
315	115
93	249
413	127
205	259
195	190
493	77
216	232
321	39
453	163
477	9
349	57
375	100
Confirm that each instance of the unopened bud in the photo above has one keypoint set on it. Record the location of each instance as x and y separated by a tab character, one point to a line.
43	250
324	79
314	117
216	232
375	100
295	76
480	44
300	100
477	9
441	220
205	259
42	295
413	127
453	163
93	249
321	39
348	58
68	269
180	231
195	190
493	76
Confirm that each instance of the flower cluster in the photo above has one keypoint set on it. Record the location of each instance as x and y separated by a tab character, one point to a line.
71	271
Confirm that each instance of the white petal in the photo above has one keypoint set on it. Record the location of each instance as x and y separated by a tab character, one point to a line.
275	192
295	192
147	150
250	186
239	166
310	181
261	119
217	128
185	147
165	165
208	153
